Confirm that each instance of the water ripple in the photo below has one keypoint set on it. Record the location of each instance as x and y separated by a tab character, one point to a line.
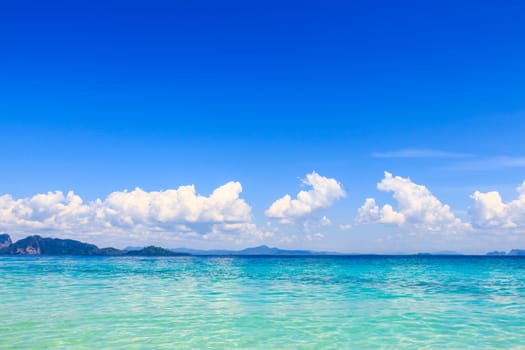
265	303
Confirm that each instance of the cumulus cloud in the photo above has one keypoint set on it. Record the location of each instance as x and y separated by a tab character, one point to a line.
325	191
417	208
176	211
182	205
50	210
490	211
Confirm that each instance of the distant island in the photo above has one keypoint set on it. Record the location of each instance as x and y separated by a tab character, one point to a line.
37	245
260	250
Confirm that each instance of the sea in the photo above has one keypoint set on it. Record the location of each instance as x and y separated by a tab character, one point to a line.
315	302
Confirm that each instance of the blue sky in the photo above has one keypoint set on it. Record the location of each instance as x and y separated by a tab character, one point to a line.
99	97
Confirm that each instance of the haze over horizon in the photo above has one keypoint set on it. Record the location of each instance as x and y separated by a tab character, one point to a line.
224	126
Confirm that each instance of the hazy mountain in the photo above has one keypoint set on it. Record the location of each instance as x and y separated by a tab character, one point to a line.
153	251
260	250
517	252
446	252
496	253
37	245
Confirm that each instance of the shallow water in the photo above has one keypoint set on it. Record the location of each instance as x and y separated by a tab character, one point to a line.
262	302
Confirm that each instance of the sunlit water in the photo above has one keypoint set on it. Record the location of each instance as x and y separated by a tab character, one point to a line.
262	302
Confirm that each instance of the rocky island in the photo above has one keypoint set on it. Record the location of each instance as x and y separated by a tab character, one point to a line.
5	241
37	245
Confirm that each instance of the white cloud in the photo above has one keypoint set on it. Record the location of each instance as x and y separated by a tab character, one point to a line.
418	208
324	193
489	210
182	205
315	237
492	163
345	227
174	211
51	210
325	221
368	213
288	239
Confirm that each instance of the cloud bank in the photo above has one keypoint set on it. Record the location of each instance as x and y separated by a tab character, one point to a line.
223	215
325	191
173	211
417	208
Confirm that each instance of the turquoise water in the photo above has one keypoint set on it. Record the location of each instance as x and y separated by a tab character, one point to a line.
262	303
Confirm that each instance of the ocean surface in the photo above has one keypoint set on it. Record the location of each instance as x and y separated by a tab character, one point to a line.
358	302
